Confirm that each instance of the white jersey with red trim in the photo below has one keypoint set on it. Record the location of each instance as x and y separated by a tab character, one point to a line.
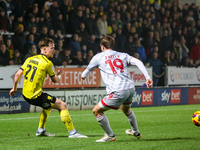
113	68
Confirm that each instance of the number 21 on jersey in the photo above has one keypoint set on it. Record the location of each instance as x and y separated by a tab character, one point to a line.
33	73
116	63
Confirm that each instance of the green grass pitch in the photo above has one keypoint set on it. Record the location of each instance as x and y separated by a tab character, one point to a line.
162	128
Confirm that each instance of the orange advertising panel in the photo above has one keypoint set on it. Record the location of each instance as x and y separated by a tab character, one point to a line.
72	79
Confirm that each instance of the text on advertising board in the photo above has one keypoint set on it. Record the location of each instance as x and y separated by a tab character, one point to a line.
147	97
175	96
72	78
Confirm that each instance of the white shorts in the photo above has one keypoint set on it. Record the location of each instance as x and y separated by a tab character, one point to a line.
115	99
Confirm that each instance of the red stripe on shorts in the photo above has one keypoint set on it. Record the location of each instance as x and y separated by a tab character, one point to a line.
109	106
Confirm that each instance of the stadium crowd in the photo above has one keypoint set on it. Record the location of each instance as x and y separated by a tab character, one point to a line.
159	34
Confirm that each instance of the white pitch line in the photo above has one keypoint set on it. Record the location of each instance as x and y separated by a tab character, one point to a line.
92	114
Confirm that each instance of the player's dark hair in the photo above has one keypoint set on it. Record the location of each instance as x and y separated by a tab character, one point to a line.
45	42
108	42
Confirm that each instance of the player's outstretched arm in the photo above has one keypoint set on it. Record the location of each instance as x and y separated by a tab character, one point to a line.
149	82
57	77
16	80
85	73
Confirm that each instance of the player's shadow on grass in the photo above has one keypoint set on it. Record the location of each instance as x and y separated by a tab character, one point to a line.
164	139
172	139
64	136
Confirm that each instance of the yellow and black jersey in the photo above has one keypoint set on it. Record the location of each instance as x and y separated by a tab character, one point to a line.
35	70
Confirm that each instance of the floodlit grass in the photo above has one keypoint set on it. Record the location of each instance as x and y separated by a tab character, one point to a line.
165	128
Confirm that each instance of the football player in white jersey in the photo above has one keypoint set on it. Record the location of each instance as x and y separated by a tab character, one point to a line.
119	86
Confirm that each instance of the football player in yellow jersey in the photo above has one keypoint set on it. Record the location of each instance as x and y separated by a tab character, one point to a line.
34	71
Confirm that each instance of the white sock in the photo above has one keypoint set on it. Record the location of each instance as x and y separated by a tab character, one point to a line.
132	121
41	129
72	131
104	123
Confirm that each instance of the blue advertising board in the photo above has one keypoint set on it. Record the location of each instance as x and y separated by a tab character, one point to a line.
143	98
172	96
160	97
13	104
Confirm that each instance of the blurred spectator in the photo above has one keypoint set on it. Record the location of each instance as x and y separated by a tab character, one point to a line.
47	4
18	20
195	52
1	39
129	47
32	51
10	22
4	56
119	40
17	7
48	20
9	47
102	25
59	24
65	57
82	32
173	59
54	10
78	60
52	35
30	23
56	60
91	25
17	60
126	30
78	19
93	45
141	51
167	60
60	45
156	64
175	47
74	45
89	55
165	42
3	22
5	4
112	28
58	35
28	44
43	33
33	31
19	39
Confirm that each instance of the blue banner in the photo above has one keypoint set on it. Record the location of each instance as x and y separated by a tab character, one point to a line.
144	97
13	104
160	97
172	96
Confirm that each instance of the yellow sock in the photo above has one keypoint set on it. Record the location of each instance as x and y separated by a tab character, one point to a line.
43	118
66	119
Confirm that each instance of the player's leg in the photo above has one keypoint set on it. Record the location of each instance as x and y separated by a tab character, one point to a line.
98	111
66	119
132	121
125	107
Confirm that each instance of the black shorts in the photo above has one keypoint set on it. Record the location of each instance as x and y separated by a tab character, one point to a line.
44	100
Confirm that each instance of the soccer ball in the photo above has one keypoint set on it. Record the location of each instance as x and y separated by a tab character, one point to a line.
196	118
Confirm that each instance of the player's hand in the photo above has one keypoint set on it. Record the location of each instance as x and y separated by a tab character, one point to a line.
149	82
12	92
60	72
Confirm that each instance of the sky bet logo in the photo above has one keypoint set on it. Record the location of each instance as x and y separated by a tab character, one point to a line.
147	97
175	96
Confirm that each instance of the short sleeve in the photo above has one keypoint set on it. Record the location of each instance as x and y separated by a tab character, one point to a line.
24	64
50	69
